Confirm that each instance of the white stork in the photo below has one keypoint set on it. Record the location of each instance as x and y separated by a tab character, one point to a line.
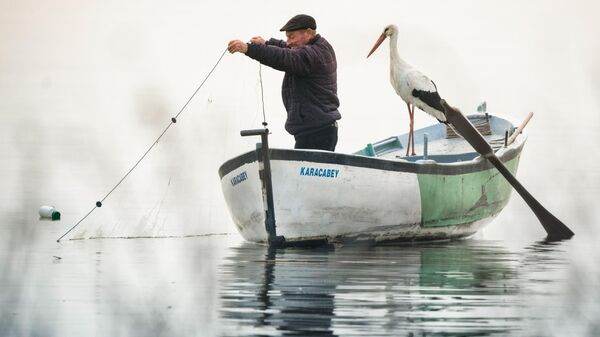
411	85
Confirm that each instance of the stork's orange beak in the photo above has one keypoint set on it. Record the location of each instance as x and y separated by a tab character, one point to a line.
379	41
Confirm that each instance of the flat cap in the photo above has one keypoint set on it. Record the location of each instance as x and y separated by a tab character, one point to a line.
300	21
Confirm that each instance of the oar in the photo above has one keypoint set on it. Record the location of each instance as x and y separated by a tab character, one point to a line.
519	129
555	228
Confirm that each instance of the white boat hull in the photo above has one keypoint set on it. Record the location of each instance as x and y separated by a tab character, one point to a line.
341	197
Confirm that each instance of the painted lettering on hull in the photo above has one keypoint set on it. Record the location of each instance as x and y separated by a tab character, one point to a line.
239	178
319	172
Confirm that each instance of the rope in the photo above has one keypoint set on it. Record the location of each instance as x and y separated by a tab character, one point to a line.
173	121
262	96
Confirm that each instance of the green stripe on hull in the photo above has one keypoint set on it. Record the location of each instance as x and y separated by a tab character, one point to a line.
457	199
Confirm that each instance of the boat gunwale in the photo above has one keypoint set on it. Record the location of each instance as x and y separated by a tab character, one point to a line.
419	167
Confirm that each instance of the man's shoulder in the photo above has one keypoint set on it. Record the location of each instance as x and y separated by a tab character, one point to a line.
318	40
321	50
319	44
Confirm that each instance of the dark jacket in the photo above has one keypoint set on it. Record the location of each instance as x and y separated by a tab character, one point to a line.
309	87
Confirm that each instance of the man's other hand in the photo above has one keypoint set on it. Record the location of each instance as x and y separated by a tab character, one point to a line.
237	46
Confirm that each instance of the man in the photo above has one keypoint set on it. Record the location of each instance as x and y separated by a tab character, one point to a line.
309	88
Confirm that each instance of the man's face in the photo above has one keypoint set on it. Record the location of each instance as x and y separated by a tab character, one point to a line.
297	38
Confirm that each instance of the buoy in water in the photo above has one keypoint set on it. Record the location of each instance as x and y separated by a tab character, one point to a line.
49	212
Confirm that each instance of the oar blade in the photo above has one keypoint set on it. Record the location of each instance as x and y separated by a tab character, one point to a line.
555	229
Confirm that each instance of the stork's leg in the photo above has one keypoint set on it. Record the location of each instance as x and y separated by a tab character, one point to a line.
412	128
409	130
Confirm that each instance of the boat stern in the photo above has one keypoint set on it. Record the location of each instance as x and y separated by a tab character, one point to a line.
243	195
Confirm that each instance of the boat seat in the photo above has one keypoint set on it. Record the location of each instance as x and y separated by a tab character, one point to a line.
481	123
382	147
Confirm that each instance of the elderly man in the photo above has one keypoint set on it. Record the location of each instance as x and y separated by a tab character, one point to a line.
309	88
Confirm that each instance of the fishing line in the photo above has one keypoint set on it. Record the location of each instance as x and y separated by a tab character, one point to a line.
173	121
262	95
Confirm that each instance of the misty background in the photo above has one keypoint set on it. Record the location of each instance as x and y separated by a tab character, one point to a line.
86	87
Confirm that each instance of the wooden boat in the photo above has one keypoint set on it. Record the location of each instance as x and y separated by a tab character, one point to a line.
376	193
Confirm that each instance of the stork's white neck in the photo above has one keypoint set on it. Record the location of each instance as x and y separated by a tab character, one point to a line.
396	60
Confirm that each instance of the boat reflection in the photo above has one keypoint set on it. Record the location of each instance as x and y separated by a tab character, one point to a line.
464	288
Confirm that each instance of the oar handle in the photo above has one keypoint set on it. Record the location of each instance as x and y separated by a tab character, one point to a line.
519	129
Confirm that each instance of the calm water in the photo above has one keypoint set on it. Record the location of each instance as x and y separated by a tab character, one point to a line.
455	289
220	285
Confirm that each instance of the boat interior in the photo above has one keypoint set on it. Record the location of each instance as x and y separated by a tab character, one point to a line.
440	143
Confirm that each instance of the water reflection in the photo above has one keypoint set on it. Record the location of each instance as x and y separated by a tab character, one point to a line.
450	289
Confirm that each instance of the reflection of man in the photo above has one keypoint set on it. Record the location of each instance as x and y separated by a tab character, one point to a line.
309	87
295	299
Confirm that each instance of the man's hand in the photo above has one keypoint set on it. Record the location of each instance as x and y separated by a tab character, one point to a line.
237	46
257	40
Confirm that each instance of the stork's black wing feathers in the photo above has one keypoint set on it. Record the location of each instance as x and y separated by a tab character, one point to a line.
430	98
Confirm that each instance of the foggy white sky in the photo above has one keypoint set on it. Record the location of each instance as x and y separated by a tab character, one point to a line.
86	86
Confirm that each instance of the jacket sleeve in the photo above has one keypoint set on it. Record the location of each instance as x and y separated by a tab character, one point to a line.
298	61
276	43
